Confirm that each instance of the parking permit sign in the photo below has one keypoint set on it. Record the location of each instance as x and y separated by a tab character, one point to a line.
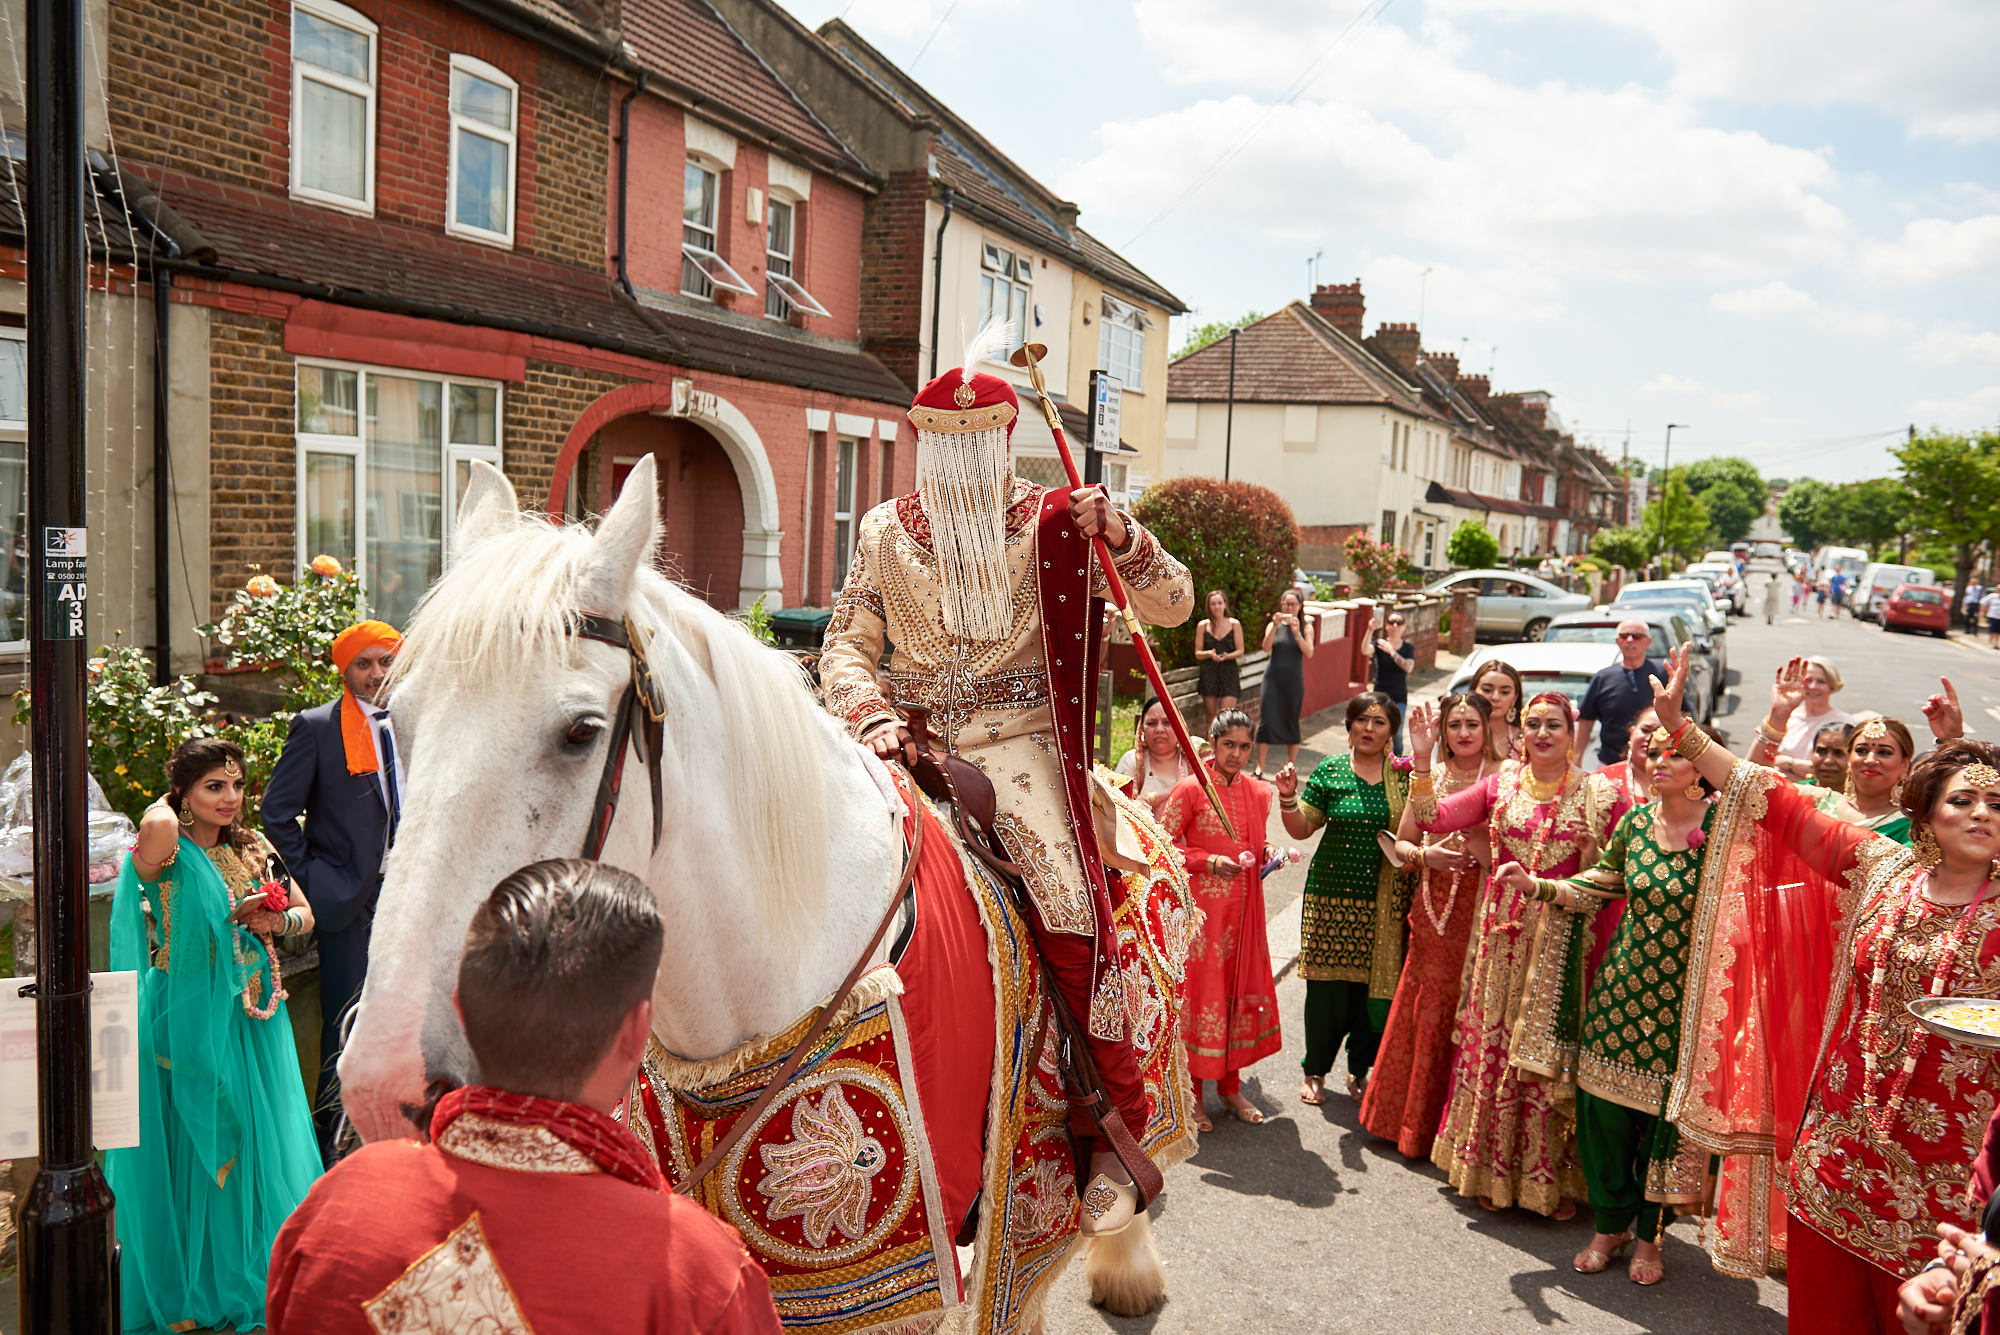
65	583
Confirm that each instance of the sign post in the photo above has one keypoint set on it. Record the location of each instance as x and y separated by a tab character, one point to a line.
69	1270
1106	395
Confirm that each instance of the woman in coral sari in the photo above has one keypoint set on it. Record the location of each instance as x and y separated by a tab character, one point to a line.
1509	1132
1230	1010
1799	1046
1405	1098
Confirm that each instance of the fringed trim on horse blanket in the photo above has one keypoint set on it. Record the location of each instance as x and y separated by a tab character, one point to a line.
851	1189
876	986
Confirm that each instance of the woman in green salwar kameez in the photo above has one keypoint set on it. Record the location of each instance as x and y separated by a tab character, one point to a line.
1351	952
1634	1163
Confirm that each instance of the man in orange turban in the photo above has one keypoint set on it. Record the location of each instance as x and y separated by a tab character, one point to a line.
330	809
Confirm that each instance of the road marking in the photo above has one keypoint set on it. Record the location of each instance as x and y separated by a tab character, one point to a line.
1993	712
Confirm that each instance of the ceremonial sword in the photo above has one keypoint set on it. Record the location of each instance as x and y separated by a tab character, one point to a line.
1029	355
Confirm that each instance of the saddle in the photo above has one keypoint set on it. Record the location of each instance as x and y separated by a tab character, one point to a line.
965	789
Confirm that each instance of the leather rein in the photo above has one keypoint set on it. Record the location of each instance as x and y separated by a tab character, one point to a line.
641	715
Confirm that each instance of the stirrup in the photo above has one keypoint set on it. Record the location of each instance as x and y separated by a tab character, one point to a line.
1108	1207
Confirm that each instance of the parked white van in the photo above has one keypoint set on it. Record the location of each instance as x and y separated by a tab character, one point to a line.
1878	580
1849	561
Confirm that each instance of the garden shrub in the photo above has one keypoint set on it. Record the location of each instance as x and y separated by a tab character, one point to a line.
1234	536
1472	546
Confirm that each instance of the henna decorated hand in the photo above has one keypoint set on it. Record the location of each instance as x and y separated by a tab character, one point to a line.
1946	718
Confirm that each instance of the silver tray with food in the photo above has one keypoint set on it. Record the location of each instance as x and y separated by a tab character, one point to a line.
1973	1020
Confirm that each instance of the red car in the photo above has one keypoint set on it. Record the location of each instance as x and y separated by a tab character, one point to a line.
1917	607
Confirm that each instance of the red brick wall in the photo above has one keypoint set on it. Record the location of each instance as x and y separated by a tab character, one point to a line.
701	504
893	274
538	416
205	87
253	470
825	248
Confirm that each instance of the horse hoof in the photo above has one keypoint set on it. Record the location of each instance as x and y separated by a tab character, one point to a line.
1124	1270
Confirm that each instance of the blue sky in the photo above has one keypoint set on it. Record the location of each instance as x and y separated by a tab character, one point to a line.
1776	222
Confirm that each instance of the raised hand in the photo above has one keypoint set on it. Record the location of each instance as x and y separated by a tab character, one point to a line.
1286	781
1423	731
1947	720
1788	689
1667	695
1515	877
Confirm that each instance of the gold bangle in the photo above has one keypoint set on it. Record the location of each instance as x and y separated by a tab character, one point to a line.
1421	783
1288	803
1692	743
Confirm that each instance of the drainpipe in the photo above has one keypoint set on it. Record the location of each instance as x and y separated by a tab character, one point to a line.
163	289
624	161
937	279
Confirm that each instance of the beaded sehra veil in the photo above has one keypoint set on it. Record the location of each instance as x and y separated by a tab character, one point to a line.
964	478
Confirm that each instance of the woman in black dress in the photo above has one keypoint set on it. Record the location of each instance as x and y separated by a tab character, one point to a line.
1218	647
1288	639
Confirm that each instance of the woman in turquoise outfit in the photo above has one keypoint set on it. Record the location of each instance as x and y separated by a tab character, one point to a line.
226	1147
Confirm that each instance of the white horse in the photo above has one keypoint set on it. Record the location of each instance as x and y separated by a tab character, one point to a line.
781	839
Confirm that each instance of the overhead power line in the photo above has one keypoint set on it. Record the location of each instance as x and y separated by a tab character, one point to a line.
1295	90
934	32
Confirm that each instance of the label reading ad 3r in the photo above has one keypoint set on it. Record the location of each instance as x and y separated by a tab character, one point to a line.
65	583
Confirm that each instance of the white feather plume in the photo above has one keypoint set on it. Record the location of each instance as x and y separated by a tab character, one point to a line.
992	343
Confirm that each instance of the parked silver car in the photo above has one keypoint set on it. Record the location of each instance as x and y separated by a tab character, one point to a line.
1670	628
1543	667
1512	603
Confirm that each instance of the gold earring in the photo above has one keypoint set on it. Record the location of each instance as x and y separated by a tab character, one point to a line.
187	816
1896	794
1694	792
1848	792
1926	848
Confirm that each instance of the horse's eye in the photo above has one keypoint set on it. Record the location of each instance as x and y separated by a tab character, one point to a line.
582	734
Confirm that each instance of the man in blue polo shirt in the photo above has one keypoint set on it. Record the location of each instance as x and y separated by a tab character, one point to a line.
1616	695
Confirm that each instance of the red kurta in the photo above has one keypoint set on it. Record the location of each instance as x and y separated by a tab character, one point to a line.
504	1225
1229	1013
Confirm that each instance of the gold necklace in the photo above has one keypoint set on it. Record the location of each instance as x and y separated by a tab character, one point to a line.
1539	790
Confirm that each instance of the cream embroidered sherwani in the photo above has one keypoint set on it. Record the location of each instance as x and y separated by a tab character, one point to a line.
989	702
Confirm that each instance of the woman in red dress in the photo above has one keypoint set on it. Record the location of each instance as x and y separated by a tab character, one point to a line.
1229	1013
1800	1046
1406	1094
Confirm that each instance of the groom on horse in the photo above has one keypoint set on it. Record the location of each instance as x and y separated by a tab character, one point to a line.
986	586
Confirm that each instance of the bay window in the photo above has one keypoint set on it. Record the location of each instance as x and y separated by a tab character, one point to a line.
481	179
1005	279
333	105
383	457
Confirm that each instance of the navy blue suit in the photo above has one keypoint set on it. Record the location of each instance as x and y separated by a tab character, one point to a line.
336	859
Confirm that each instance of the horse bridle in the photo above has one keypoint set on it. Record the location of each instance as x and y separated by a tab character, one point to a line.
639	718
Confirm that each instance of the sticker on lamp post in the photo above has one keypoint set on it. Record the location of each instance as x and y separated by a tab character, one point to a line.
65	583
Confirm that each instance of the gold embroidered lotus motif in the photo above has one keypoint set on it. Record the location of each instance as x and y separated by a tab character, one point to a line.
826	1174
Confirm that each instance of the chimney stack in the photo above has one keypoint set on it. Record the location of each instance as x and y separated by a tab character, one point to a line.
1445	364
1476	386
1399	344
1342	306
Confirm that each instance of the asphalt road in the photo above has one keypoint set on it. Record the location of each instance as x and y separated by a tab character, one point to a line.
1306	1223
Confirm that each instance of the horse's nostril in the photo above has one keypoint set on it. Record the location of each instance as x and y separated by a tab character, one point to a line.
420	1113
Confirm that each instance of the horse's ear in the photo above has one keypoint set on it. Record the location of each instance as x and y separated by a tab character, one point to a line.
627	537
487	505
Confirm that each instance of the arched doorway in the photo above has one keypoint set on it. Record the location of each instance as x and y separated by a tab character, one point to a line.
701	505
702	538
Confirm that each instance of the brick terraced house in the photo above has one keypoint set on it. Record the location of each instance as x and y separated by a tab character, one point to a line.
410	232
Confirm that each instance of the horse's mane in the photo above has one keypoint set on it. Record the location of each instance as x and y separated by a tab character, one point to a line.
511	601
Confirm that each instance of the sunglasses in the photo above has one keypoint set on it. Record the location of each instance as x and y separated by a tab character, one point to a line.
1394	621
1628	635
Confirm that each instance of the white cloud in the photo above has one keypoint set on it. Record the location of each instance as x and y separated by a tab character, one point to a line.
1627	182
1669	386
1955	345
1782	301
1932	248
1927	62
1505	293
1980	408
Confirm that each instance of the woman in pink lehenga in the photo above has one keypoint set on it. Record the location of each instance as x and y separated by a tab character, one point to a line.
1509	1131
